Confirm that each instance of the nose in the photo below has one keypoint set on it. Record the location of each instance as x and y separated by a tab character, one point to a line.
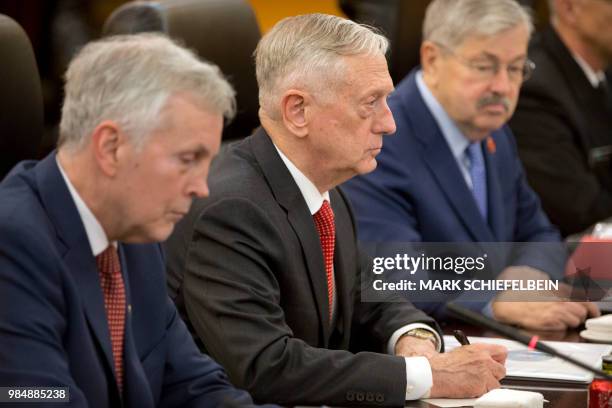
384	124
501	83
198	188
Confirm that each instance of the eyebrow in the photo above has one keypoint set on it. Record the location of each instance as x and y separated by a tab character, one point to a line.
496	58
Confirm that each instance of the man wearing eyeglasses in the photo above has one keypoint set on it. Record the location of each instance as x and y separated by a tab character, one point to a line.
451	172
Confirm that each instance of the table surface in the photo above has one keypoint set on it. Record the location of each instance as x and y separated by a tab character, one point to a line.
558	395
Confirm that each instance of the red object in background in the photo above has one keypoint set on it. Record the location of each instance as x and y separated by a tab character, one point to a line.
593	255
600	391
600	394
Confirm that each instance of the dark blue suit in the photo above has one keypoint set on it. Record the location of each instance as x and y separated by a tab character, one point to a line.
53	329
418	193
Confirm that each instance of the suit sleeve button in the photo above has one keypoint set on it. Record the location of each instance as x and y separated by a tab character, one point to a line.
360	396
380	397
350	396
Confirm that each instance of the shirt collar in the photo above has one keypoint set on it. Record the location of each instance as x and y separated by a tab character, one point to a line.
98	240
595	78
455	139
314	199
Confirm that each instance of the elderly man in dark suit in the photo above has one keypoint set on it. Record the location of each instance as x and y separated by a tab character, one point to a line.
83	301
563	121
267	269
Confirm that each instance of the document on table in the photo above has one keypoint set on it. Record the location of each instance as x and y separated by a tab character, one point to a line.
523	363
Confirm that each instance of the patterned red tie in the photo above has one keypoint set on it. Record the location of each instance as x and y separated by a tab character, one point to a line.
113	289
324	221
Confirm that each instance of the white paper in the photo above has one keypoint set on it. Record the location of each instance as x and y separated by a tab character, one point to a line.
532	364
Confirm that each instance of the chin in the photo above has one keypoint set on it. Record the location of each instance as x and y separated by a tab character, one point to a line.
158	234
367	167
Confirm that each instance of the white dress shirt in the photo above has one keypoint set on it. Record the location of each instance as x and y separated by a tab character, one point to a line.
595	78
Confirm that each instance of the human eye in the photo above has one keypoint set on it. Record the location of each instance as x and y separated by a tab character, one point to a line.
371	101
515	70
187	158
484	67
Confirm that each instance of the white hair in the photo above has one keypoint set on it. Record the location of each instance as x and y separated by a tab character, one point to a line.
451	22
128	79
308	50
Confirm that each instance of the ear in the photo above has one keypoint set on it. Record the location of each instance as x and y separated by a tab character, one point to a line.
106	141
430	57
293	111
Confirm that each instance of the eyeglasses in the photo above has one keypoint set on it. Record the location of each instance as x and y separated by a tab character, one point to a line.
489	68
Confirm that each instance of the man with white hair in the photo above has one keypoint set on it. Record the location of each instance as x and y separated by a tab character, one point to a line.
563	120
83	301
451	173
267	270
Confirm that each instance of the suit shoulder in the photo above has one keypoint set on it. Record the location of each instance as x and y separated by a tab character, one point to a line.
28	240
21	209
236	173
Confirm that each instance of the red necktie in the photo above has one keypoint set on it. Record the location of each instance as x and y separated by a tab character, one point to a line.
324	221
113	289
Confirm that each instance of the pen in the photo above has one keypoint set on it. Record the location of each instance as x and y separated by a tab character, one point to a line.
461	337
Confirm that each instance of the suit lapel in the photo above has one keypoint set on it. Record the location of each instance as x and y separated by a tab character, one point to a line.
581	89
494	195
135	379
440	161
288	195
342	250
76	251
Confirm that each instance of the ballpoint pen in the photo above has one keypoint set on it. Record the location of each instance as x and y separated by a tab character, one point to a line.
461	337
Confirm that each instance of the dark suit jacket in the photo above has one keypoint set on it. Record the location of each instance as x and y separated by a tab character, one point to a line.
53	327
247	266
418	193
562	124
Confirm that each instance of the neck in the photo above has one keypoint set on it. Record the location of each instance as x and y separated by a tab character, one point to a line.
298	150
578	45
81	172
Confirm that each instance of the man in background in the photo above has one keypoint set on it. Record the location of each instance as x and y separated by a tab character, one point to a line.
451	173
563	121
83	302
267	270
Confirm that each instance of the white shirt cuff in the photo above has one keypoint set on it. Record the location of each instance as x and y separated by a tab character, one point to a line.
405	329
419	379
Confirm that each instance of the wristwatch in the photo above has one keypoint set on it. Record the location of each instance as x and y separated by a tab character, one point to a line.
423	334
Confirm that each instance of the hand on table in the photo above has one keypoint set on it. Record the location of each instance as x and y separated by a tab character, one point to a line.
467	371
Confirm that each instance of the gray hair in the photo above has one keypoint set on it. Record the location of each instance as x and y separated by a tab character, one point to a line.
128	79
299	50
451	22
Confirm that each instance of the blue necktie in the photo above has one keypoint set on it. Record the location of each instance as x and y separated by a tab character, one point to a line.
478	174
